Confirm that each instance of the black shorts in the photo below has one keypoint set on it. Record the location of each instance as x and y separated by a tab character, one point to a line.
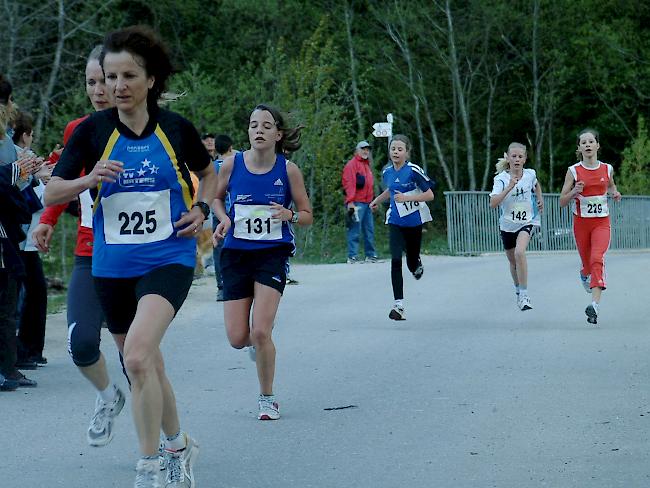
119	297
240	269
510	238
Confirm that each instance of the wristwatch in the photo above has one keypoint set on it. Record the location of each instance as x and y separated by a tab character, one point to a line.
294	217
205	208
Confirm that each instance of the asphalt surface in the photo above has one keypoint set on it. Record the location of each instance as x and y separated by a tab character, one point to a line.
467	392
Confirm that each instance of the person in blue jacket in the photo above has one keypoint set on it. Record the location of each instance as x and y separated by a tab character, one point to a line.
408	188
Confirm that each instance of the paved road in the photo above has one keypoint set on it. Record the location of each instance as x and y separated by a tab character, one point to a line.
468	392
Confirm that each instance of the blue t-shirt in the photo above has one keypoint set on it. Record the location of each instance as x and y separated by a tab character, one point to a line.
250	212
412	180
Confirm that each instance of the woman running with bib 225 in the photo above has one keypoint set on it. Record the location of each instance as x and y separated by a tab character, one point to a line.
408	188
137	160
515	190
587	184
258	239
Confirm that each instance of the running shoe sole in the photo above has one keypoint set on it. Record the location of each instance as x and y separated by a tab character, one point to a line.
592	316
395	315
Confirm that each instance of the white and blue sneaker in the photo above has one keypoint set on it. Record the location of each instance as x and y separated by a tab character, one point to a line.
592	314
180	465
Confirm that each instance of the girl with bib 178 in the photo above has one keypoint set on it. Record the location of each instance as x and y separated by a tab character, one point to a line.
587	185
408	188
518	195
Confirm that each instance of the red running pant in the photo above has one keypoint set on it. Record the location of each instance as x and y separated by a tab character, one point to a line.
592	239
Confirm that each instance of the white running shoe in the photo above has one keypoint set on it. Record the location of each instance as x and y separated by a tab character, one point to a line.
100	430
180	465
524	303
146	474
397	313
586	280
269	408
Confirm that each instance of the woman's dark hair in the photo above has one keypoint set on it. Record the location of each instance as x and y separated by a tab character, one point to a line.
23	124
290	141
588	130
222	143
143	42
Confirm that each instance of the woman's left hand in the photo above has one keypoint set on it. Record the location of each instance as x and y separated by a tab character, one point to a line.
280	212
617	196
540	205
190	223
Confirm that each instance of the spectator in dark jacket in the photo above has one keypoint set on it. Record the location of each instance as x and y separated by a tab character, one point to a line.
14	212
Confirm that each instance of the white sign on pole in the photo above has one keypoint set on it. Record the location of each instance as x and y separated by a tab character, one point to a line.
382	129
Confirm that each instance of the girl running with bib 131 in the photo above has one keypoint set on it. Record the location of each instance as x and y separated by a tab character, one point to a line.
518	195
587	184
137	159
408	188
258	239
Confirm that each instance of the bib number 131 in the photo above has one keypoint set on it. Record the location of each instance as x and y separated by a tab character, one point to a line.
258	225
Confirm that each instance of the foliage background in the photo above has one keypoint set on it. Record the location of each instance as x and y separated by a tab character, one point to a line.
463	79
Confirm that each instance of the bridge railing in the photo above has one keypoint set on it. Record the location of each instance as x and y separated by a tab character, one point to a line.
473	227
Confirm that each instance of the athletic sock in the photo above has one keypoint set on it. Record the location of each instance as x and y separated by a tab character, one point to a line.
517	289
175	442
523	291
109	394
595	305
399	303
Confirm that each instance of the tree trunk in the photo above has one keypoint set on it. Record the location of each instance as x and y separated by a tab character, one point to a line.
54	72
462	104
488	132
348	14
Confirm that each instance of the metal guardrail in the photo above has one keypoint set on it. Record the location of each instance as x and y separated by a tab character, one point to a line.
473	227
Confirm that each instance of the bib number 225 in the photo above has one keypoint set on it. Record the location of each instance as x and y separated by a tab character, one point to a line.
137	223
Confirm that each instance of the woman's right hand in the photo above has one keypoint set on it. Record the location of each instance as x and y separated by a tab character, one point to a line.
42	235
578	187
106	170
221	231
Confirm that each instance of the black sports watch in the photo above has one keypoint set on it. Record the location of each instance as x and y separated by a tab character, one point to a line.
294	217
205	208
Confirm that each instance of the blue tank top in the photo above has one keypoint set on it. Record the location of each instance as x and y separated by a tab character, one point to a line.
250	207
133	217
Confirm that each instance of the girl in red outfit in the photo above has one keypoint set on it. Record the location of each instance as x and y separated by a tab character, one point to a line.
587	184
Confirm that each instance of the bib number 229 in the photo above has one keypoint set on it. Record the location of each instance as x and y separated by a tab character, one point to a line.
137	223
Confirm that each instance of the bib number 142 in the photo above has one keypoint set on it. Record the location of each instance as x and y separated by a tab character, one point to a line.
519	215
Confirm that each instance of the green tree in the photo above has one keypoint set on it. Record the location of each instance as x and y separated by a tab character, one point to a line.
635	169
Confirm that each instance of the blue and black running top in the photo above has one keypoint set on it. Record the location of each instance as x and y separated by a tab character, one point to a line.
250	207
410	179
133	217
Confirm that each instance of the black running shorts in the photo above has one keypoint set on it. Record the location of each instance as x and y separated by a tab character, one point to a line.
119	297
240	269
510	238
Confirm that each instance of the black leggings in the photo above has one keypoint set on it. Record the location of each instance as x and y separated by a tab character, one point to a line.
403	239
85	315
